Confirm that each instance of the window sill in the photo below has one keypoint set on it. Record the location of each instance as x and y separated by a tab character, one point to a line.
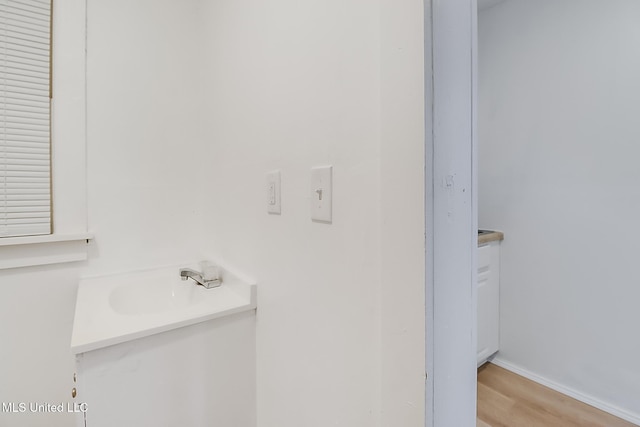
43	250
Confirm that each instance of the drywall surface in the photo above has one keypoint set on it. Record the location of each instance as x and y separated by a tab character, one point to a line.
291	86
485	4
144	149
402	244
558	109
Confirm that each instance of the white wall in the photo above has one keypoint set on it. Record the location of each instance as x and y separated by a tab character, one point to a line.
402	197
291	86
144	143
176	167
558	173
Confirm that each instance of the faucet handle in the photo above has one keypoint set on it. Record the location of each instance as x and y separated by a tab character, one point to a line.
210	271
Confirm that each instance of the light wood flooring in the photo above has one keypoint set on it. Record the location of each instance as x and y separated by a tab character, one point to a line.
509	400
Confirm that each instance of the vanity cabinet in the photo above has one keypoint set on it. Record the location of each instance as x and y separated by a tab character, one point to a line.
200	375
488	298
154	350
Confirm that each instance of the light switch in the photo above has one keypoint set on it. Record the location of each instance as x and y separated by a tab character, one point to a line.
273	192
321	193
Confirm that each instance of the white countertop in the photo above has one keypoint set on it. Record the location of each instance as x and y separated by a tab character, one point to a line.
119	308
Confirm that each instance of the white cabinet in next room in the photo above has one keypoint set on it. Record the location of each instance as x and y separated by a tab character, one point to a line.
488	296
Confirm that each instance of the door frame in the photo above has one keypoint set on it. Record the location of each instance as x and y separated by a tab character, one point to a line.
451	212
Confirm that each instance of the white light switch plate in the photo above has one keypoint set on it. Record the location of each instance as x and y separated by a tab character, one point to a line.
321	193
273	192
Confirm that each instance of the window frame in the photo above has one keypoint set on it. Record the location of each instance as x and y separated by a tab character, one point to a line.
69	239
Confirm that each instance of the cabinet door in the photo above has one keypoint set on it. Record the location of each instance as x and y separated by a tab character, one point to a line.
488	300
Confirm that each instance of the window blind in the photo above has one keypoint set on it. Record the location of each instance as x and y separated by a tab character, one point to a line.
25	146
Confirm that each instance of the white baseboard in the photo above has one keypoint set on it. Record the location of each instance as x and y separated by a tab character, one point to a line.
589	400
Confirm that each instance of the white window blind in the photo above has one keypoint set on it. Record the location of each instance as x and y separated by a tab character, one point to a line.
25	147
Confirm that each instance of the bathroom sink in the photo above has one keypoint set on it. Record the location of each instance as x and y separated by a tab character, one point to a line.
113	309
153	296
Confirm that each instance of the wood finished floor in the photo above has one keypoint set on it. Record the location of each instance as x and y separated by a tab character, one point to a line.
509	400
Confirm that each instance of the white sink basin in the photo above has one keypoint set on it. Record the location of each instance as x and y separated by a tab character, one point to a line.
154	295
119	308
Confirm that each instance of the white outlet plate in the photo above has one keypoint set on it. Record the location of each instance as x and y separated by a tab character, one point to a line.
321	193
274	205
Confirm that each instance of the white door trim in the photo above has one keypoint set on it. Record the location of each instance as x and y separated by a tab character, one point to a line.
451	213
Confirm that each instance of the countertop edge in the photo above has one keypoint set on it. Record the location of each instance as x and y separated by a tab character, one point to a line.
483	239
78	348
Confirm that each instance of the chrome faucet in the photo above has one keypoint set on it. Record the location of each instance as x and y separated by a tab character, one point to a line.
209	277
